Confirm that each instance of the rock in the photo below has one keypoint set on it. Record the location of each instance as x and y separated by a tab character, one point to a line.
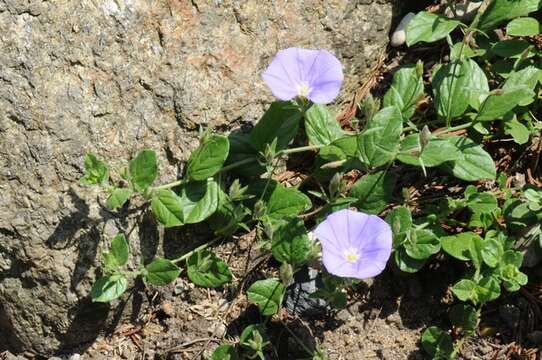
298	300
398	37
114	77
464	11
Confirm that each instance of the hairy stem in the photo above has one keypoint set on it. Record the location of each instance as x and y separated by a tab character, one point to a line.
199	248
239	164
454	128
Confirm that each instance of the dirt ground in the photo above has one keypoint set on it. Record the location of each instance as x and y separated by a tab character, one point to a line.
384	318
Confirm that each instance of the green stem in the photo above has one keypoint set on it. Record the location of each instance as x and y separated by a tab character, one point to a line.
236	164
454	128
300	149
169	185
199	248
239	164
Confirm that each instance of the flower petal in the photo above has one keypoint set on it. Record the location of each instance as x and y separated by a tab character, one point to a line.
338	229
347	229
325	78
282	75
337	265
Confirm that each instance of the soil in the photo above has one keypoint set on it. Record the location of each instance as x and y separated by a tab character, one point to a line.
384	318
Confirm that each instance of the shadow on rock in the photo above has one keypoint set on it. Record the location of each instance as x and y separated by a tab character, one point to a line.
86	318
148	237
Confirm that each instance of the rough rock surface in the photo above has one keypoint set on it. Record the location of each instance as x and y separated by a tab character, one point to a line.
113	77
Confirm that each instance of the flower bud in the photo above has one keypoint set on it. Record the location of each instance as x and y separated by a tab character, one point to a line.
259	209
286	274
425	135
419	68
335	185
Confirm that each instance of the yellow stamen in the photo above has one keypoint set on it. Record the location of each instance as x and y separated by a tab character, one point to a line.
303	90
351	255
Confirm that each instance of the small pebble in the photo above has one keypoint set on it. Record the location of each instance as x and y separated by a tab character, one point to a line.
398	37
167	308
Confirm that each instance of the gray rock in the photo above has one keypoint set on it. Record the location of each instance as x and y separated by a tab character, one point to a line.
113	77
298	300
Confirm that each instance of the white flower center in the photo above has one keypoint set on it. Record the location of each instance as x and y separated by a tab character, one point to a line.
351	255
303	89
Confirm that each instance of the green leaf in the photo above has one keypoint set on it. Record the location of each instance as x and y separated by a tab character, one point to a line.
120	249
208	158
526	26
321	126
225	352
510	48
330	290
489	289
475	163
108	288
199	200
161	272
518	214
118	198
279	200
227	218
511	257
458	245
492	252
478	84
436	152
465	317
267	295
406	263
167	207
96	172
373	191
428	27
281	122
465	290
437	343
207	270
517	130
501	101
143	170
400	220
290	242
482	202
343	150
241	149
529	76
378	145
422	244
452	89
500	11
405	91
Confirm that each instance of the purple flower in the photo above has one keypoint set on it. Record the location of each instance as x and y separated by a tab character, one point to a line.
313	74
354	244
